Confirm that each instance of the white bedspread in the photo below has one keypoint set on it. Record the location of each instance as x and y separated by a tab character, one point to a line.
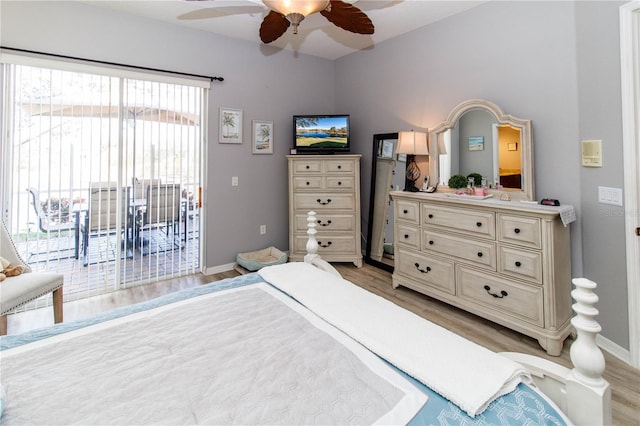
467	374
248	355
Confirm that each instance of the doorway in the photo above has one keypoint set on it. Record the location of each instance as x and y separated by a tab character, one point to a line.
507	158
103	176
630	69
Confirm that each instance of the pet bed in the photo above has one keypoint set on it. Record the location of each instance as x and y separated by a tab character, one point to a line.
252	261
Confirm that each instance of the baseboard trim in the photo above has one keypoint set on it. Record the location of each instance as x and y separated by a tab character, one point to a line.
614	349
218	269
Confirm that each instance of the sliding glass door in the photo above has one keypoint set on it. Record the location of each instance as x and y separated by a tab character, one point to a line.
162	168
102	176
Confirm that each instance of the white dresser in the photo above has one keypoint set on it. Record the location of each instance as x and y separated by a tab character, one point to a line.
509	262
330	186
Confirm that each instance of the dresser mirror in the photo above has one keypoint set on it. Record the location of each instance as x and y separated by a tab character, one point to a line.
477	137
387	174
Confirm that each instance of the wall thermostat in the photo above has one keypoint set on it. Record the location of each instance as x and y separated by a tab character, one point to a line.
592	153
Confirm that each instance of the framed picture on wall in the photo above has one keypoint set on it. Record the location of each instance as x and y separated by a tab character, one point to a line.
387	149
262	141
230	125
476	143
513	146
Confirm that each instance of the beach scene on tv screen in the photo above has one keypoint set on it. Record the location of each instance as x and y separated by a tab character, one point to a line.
321	132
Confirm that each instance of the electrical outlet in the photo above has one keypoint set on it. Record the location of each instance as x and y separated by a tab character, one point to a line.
234	180
263	229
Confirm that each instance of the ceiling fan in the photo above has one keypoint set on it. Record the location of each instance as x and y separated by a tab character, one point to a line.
284	13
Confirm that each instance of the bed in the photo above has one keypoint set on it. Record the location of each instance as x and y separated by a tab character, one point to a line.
290	344
511	178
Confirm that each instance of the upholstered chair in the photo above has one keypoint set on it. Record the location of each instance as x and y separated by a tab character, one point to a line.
28	286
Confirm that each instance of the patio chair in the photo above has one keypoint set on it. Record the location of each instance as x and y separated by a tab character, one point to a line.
101	217
163	207
21	289
53	221
140	186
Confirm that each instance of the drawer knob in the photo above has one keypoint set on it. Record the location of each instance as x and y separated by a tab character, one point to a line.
307	167
339	183
518	264
308	183
499	296
405	211
324	224
424	271
339	166
323	203
324	245
479	254
517	230
406	236
430	216
431	242
478	224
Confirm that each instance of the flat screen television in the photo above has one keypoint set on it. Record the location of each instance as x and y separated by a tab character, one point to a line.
321	134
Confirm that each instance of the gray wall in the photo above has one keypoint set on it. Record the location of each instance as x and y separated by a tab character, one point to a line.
476	123
268	84
556	63
600	106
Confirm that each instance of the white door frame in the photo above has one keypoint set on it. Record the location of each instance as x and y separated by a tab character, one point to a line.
630	73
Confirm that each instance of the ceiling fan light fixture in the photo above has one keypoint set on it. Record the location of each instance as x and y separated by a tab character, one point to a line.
302	7
285	13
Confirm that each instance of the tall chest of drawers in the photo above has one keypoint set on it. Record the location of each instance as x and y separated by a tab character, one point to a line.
330	186
504	261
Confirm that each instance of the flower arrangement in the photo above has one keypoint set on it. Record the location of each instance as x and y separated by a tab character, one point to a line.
56	209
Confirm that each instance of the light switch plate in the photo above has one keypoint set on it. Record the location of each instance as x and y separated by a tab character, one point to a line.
611	196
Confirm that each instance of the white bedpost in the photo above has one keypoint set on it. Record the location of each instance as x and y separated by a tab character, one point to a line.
581	392
312	244
588	393
312	247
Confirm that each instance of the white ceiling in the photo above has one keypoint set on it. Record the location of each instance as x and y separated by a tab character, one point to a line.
316	36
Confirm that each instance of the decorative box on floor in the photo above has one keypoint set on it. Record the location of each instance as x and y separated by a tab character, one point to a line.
252	261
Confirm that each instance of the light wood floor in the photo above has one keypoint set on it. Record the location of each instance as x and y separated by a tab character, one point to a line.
624	380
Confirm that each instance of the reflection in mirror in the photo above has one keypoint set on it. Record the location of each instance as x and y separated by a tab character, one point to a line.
491	150
478	138
387	174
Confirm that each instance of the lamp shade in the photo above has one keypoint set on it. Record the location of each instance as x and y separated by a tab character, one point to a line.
303	7
412	143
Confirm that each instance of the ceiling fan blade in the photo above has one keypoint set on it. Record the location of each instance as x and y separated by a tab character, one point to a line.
273	26
348	17
217	12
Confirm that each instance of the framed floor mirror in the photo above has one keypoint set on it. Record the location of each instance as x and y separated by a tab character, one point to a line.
387	174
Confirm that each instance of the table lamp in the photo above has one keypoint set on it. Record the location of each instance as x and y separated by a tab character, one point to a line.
412	143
